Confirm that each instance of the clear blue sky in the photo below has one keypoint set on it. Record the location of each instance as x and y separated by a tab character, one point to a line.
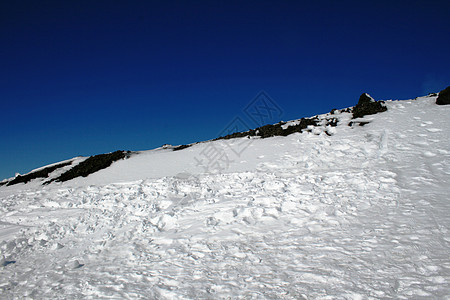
89	77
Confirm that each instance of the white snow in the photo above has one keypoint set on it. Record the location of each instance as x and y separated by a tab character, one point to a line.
361	214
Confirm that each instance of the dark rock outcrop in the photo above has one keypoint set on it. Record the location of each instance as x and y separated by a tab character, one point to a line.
38	174
362	123
444	97
181	147
271	130
367	106
91	165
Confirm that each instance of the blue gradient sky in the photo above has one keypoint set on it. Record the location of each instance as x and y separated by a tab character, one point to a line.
89	77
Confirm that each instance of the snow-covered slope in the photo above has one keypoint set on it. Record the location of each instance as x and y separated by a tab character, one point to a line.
361	212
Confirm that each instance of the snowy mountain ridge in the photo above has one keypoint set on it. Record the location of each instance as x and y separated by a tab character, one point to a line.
83	166
328	212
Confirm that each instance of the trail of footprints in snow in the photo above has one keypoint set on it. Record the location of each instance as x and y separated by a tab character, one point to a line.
167	230
172	203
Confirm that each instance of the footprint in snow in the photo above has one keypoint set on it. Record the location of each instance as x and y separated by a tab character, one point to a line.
4	262
75	265
429	154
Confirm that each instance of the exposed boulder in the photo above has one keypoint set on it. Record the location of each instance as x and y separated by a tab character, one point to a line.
367	106
365	98
444	97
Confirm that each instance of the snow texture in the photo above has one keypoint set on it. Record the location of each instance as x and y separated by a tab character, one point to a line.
360	214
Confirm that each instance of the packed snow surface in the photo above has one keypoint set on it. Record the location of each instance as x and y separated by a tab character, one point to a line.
361	214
